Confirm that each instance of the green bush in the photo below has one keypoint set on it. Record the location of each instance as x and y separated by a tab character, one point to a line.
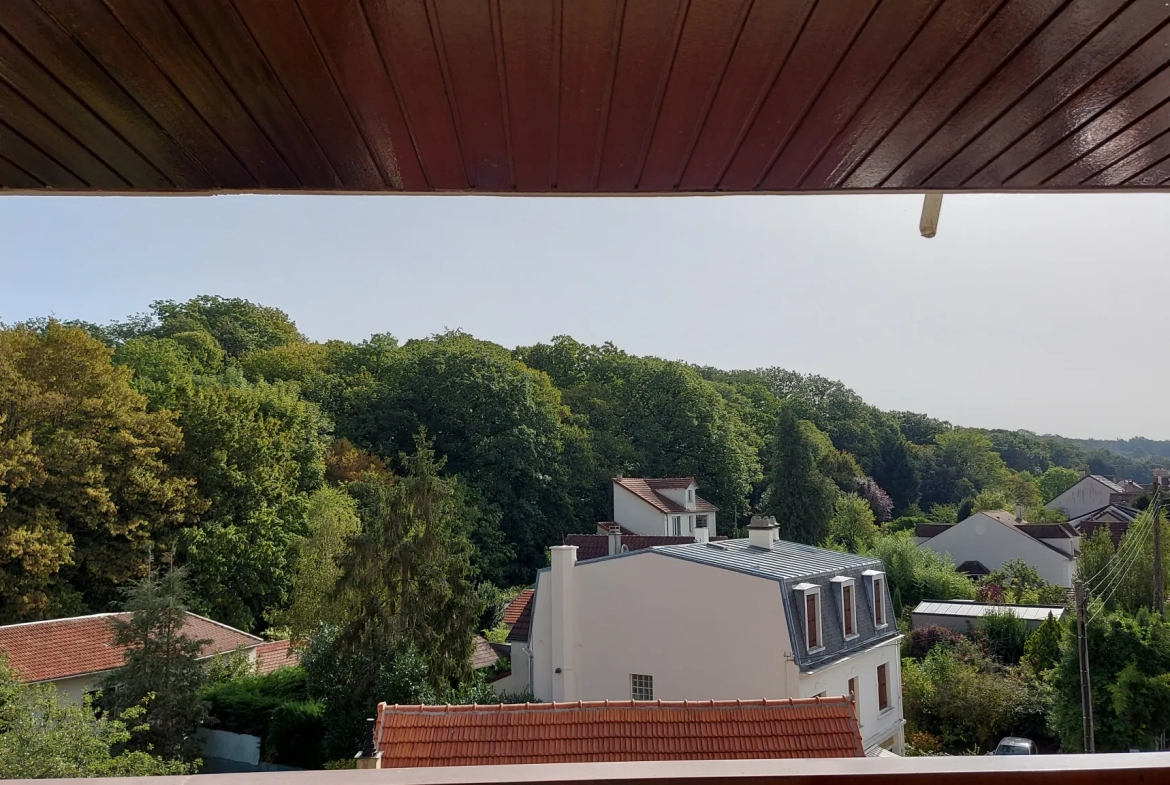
1004	636
294	735
246	705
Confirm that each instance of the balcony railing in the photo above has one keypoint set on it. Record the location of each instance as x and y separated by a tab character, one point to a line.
1130	769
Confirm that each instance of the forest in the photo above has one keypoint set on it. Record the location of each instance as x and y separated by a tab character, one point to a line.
377	501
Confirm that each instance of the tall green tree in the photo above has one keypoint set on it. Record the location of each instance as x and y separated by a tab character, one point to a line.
1042	649
894	471
238	326
44	734
852	525
410	569
331	521
161	667
918	574
86	483
1055	481
799	496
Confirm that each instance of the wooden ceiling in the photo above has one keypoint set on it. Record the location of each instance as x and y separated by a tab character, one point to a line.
583	96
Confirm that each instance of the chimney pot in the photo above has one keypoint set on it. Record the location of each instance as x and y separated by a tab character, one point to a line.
762	532
615	539
1019	513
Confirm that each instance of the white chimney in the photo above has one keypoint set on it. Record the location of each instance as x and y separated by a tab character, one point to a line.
564	617
762	532
702	533
615	539
1019	513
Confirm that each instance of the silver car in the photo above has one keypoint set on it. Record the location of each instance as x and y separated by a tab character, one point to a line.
1014	745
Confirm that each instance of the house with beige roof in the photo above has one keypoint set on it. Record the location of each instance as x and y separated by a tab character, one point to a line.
74	654
985	541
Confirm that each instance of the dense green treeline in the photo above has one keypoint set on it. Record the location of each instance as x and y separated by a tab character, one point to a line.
214	431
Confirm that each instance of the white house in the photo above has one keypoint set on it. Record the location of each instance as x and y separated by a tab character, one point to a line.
667	506
751	618
1092	493
987	540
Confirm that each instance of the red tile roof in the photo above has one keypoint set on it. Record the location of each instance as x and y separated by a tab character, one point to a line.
275	655
60	648
594	546
519	609
517	606
607	731
646	489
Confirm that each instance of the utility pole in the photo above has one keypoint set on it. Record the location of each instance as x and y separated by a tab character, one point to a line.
1083	655
1159	588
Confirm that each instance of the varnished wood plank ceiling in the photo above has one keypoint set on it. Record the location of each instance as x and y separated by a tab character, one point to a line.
583	96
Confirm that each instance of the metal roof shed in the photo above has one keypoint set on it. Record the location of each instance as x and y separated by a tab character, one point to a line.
963	616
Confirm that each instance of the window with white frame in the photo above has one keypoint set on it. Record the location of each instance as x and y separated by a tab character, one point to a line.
677	525
691	523
855	696
883	685
641	687
876	583
690	495
849	610
810	595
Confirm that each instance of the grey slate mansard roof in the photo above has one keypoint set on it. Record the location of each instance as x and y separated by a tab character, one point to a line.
790	563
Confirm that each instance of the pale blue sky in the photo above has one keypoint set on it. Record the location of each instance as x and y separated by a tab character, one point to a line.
1038	312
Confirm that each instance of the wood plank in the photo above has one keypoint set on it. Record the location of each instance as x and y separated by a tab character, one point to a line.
33	161
96	30
63	109
889	31
1088	62
1024	71
589	45
823	42
650	30
282	35
1120	145
529	32
1008	30
348	47
1133	165
1118	86
766	42
403	34
26	24
25	119
943	38
223	38
163	38
13	177
1153	177
466	45
704	50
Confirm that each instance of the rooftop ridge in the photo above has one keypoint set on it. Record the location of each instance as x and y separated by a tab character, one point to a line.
496	708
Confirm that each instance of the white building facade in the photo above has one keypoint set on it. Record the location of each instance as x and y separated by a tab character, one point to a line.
662	506
714	621
1092	493
993	538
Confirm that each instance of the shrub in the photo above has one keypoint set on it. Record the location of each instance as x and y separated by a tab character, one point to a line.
989	593
294	734
921	743
1004	635
921	640
246	705
1042	650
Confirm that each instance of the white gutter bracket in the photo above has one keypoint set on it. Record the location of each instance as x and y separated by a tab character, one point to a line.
928	224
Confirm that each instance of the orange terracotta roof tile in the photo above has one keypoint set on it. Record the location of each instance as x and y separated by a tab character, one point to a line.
517	606
275	655
60	648
607	731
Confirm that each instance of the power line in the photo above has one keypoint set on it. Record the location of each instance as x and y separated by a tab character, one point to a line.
1109	570
1121	575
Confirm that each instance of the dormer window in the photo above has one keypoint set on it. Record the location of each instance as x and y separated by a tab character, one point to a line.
690	495
877	593
810	595
845	595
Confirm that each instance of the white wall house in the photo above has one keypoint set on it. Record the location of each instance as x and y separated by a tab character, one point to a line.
994	537
666	506
751	618
1091	493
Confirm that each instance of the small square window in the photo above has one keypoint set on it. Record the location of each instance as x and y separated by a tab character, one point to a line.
641	687
691	495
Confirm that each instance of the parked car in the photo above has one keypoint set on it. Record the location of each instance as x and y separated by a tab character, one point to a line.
1014	745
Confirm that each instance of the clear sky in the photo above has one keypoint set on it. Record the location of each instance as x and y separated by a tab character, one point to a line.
1038	312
